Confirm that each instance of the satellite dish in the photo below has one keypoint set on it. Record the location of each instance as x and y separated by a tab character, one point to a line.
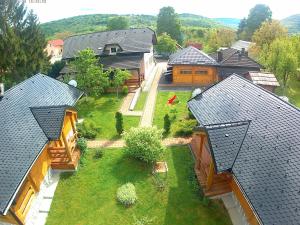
73	83
196	92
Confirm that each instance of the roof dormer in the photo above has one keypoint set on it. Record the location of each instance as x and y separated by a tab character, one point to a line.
112	49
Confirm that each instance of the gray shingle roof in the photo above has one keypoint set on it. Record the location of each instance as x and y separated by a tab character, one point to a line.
268	162
225	141
122	61
191	56
22	139
241	44
50	119
130	40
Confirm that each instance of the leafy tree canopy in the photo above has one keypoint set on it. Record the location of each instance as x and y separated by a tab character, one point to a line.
118	23
168	22
165	44
89	73
258	14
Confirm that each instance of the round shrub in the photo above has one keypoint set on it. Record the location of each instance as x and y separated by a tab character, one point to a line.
87	129
126	194
144	143
125	90
99	154
82	145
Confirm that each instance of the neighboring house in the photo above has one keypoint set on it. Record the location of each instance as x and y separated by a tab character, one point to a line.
38	133
234	61
248	143
263	79
191	66
130	49
240	44
54	50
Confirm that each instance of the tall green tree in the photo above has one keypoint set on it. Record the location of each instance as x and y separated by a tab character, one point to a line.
257	15
282	59
22	43
118	23
168	22
165	44
89	73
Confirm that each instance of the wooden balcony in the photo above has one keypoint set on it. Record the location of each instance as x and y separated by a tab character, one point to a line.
66	156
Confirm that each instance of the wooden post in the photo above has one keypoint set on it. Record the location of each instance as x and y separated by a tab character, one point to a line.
73	124
210	175
66	145
32	182
201	148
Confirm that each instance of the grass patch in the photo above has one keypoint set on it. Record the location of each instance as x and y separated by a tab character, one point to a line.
292	92
89	195
102	111
141	101
161	108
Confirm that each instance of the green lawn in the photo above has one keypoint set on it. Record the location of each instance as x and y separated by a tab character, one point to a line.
141	101
293	91
102	112
162	108
88	197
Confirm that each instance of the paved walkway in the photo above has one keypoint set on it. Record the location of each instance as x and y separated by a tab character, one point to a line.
126	104
121	143
147	117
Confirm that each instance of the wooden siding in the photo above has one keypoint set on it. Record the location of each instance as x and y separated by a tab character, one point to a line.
209	78
251	218
59	154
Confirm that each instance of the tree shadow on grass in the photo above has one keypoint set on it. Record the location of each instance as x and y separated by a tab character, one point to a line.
127	169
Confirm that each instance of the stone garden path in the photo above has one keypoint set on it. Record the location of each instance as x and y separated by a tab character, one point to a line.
121	143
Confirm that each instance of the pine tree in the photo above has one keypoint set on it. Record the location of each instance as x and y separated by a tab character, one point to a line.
21	43
119	123
167	123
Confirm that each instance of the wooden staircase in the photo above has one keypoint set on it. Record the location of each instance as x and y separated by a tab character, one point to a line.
60	159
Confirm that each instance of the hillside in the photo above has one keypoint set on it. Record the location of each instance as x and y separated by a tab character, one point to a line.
230	22
97	22
292	23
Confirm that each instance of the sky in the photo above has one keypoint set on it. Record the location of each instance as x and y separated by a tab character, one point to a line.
58	9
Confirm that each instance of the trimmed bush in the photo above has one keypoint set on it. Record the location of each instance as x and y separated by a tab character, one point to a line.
125	90
98	154
167	123
144	143
184	128
119	123
126	194
88	130
82	145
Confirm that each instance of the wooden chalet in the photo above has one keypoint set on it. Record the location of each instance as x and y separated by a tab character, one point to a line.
247	142
191	66
39	134
130	49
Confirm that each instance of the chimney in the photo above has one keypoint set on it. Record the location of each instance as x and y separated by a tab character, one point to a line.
243	51
219	56
1	90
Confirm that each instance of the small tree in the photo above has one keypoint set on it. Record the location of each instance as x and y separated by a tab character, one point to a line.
166	45
119	123
118	78
89	73
144	143
167	123
118	23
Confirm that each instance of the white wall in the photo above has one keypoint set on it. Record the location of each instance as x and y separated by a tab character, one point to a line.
148	61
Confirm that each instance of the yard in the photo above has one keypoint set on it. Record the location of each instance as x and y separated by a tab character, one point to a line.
89	196
101	112
293	91
177	112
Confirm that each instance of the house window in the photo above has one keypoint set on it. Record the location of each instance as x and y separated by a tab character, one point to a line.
201	72
113	50
185	72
